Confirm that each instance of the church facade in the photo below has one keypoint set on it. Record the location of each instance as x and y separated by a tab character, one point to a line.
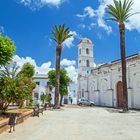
102	83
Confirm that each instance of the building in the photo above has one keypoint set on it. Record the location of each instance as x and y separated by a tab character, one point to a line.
102	83
41	87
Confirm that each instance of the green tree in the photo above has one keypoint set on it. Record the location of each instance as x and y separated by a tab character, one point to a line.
45	97
14	88
64	82
28	70
120	12
7	49
60	33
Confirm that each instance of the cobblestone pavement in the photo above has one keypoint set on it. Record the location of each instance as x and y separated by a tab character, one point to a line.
79	123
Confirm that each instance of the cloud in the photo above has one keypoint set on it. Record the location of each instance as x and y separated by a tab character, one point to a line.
43	69
2	29
69	42
37	4
69	65
88	11
96	16
66	62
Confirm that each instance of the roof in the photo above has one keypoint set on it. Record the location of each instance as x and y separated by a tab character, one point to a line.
40	76
85	41
128	58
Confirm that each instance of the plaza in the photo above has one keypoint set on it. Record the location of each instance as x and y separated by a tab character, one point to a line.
79	123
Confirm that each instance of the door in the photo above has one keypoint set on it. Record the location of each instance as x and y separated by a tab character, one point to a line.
119	94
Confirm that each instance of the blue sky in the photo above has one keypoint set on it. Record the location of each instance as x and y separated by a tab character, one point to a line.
29	24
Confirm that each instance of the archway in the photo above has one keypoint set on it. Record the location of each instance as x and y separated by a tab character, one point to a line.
119	94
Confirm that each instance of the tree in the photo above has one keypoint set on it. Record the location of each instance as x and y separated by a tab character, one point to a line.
14	88
60	33
45	97
28	70
7	49
120	12
64	82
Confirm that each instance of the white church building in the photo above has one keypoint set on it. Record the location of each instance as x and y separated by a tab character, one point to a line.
102	83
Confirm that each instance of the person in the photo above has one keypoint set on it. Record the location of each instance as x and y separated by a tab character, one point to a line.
12	121
71	100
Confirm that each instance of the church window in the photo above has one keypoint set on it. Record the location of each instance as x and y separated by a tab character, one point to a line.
87	63
87	51
82	93
79	51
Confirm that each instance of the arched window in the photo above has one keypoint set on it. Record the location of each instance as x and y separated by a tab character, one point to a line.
87	63
79	61
82	93
87	51
79	51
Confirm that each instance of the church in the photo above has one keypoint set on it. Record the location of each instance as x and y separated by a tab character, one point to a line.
102	83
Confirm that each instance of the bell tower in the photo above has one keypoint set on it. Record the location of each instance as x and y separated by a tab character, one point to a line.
85	57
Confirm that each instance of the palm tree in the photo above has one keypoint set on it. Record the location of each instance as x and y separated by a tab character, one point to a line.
60	33
120	12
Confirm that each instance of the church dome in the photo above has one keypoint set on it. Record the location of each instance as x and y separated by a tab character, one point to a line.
85	41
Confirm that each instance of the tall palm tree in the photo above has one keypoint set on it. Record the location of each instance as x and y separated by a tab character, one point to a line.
60	33
120	12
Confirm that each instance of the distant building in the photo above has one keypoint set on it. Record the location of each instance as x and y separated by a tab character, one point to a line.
41	81
102	84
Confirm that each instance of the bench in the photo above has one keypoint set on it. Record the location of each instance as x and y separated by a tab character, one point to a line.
37	111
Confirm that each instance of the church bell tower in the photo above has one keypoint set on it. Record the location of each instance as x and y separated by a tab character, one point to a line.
85	57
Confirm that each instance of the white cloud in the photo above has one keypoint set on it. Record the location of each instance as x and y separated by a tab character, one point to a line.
43	69
70	68
46	67
36	4
2	29
88	11
66	62
97	17
69	42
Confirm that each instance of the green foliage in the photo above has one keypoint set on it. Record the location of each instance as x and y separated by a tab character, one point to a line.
120	11
7	49
64	80
14	88
61	33
28	70
45	97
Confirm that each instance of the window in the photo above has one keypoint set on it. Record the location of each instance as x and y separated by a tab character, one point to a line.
38	83
87	63
87	51
82	93
79	51
79	61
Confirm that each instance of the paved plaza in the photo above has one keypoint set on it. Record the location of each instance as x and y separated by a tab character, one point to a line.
78	123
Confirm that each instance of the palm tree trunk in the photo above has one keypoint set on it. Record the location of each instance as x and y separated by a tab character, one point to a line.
123	63
61	100
57	85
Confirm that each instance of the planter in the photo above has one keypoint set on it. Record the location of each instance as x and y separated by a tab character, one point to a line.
21	117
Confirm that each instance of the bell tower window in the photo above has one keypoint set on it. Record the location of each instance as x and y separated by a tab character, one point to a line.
87	51
87	63
79	51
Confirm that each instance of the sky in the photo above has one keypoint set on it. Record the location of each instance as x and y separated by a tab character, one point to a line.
29	23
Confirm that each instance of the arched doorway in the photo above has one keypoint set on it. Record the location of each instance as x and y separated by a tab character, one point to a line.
119	94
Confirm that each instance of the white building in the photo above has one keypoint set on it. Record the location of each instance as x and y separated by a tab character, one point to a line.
72	93
102	84
41	87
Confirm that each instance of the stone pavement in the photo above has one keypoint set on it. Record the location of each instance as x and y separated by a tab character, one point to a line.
78	123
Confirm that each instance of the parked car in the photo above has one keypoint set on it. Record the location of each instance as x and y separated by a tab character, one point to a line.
84	101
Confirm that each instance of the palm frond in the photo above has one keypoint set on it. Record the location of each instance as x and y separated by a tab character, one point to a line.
120	11
60	33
